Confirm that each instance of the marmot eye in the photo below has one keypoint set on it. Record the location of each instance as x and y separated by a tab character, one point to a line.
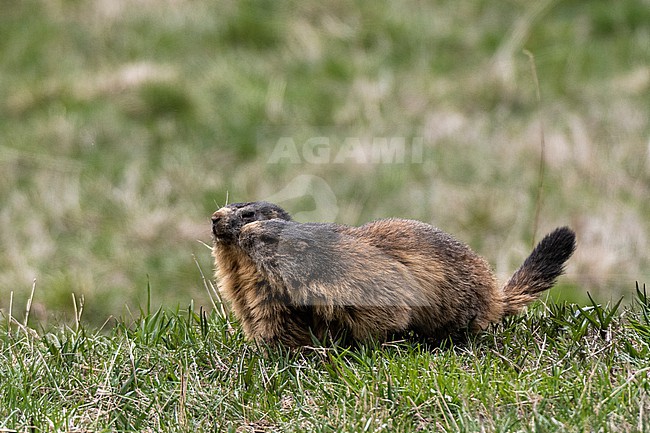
247	214
268	239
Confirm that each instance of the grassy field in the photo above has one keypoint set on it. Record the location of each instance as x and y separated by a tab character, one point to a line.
124	125
557	368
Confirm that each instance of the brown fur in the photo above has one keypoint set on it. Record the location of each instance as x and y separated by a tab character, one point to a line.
289	282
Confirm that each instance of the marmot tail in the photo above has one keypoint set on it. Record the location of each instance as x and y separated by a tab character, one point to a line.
540	270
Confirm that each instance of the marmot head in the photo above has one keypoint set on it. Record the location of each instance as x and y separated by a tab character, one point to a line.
228	221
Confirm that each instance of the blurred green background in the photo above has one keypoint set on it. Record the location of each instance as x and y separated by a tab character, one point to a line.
125	124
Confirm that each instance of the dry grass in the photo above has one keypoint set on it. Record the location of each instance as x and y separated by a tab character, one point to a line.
123	131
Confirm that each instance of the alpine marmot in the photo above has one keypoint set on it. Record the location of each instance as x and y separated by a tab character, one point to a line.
296	283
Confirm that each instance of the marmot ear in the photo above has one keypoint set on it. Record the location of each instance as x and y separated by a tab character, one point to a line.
282	214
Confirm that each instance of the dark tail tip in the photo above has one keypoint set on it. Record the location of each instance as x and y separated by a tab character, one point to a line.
557	246
540	270
546	262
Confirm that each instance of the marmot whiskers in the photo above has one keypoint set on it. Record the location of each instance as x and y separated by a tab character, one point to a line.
289	282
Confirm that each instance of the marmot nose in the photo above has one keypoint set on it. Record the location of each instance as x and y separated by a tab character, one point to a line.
215	220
